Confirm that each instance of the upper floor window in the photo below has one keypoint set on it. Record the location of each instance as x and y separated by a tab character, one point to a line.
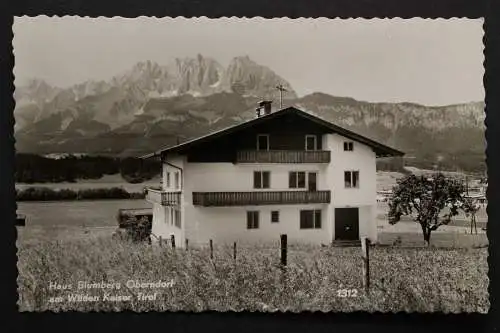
301	179
351	179
297	179
261	179
310	219
252	220
311	142
348	146
263	142
167	179
177	181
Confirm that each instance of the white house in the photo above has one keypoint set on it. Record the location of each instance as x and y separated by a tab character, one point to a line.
284	172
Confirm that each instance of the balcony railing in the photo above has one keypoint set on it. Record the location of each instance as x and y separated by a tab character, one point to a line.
163	198
259	198
283	156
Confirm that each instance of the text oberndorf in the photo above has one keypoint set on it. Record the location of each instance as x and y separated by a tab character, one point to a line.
130	284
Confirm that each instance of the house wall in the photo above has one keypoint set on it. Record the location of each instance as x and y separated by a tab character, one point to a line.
208	177
225	225
169	185
363	159
164	226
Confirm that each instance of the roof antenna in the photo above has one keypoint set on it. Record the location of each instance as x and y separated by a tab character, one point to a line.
281	88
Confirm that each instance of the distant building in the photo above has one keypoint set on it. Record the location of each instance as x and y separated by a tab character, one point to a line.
284	172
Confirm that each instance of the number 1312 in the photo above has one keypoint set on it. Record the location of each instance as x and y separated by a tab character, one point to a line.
347	292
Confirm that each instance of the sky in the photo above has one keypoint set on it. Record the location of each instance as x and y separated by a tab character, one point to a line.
431	62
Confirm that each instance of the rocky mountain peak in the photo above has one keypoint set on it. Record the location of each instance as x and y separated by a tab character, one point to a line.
245	76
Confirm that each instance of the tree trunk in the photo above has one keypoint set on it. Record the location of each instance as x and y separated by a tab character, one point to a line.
427	234
427	238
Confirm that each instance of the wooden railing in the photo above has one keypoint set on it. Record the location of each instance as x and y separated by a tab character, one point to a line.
163	198
283	156
259	198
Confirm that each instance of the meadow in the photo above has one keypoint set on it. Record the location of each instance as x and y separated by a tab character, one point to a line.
402	279
64	220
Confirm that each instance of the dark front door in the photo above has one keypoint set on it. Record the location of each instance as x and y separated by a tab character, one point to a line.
346	223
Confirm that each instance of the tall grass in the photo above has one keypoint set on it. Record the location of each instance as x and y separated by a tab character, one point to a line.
402	279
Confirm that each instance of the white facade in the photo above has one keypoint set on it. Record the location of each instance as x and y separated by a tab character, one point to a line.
199	224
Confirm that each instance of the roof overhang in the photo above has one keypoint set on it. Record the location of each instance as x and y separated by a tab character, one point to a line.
380	149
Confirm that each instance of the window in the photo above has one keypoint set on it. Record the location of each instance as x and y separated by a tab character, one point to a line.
311	142
252	220
261	179
177	216
177	182
263	142
312	181
275	216
168	179
171	216
348	146
351	179
310	219
297	179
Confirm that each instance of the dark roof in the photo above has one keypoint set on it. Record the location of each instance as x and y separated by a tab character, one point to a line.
380	149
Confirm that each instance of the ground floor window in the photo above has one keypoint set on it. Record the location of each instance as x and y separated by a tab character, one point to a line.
275	216
310	219
252	219
177	216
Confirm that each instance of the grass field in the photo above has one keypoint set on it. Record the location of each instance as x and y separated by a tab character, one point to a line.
401	279
71	219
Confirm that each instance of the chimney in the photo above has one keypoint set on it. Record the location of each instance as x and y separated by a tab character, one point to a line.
264	108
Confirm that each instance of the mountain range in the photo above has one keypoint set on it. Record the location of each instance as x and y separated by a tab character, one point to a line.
152	106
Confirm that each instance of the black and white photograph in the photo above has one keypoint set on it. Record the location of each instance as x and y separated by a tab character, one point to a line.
250	164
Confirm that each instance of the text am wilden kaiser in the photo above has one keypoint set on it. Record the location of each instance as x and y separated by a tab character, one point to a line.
131	284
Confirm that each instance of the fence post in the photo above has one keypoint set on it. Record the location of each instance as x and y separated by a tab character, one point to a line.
172	240
365	253
234	251
283	239
187	243
211	249
159	240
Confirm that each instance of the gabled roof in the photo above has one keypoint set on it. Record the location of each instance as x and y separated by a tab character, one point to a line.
380	149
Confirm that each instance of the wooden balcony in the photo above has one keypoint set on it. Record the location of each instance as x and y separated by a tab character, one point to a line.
220	199
283	156
163	198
